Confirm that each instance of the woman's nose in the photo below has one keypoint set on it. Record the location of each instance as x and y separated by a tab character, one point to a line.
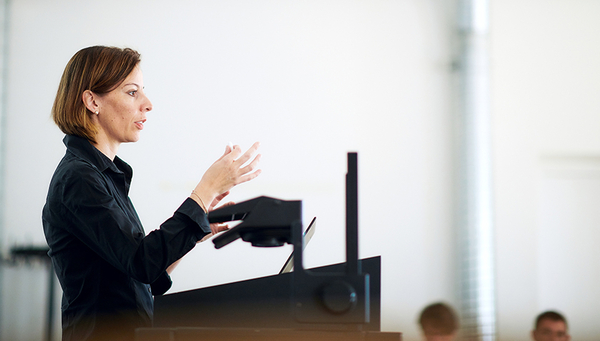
147	105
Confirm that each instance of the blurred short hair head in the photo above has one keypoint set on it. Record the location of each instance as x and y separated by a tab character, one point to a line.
438	319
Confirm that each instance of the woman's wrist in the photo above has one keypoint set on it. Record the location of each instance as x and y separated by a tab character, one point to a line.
196	197
203	196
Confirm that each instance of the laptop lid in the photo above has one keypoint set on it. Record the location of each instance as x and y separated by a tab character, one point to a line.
310	230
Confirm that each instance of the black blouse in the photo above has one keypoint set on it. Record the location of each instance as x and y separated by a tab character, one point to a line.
107	267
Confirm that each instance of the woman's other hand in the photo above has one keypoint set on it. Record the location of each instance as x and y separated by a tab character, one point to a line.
231	169
217	227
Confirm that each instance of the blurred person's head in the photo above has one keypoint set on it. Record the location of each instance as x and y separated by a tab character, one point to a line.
550	326
438	322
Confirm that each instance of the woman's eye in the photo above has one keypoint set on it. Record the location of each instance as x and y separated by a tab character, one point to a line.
132	92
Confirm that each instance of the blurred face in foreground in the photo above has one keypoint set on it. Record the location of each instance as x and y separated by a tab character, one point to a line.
438	337
551	330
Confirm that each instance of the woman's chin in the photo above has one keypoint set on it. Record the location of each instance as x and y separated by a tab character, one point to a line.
134	137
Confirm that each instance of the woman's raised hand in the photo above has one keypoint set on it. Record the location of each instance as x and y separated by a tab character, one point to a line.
231	169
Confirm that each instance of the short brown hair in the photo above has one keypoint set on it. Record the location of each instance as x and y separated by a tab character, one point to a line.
438	319
99	69
550	315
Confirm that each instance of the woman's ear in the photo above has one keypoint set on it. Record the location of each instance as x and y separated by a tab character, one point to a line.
90	100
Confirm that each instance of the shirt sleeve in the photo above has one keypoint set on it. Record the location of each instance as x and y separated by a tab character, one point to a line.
96	217
162	284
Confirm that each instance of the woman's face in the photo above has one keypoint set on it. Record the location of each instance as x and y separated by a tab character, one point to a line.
122	112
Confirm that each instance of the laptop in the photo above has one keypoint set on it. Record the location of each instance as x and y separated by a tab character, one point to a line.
310	230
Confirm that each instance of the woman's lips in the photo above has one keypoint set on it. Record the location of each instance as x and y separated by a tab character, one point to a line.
140	124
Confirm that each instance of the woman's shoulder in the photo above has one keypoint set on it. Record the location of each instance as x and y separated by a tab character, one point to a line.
74	166
75	182
74	171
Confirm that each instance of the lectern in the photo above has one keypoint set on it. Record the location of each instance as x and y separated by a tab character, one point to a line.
335	302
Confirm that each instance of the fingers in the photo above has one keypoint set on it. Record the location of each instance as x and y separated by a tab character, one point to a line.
228	204
227	172
218	227
217	200
247	155
222	227
228	149
249	171
222	196
249	177
251	166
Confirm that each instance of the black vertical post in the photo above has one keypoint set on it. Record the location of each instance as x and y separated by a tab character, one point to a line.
50	312
352	267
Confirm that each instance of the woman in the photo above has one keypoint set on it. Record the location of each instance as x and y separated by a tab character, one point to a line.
107	267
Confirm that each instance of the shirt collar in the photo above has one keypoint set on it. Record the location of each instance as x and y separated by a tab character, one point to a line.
83	149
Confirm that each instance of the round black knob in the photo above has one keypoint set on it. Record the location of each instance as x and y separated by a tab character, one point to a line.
338	297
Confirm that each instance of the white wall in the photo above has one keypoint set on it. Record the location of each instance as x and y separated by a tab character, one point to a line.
546	81
311	80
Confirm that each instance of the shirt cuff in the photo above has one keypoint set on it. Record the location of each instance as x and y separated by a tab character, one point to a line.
191	209
162	284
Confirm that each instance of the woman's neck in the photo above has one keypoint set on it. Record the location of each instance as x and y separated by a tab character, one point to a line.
106	147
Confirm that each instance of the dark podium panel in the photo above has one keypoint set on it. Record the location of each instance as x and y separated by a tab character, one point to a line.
259	309
258	303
